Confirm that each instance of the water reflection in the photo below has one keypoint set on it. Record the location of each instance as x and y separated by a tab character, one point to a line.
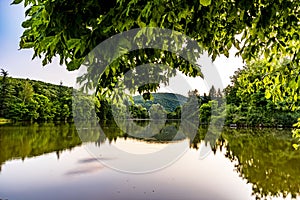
24	141
85	167
264	158
156	131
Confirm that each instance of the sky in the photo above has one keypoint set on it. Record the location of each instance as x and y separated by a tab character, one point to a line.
19	63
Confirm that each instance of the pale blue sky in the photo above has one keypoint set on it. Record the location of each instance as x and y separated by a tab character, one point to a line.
19	63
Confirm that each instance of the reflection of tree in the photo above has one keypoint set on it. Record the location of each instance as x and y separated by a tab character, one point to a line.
267	160
110	131
28	141
146	130
89	133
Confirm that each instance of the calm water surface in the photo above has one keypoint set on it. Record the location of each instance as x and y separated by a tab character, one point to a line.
50	161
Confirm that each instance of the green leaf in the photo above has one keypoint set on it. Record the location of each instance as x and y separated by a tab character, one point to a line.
147	96
205	2
26	45
296	146
268	95
277	80
26	24
16	2
74	64
73	43
226	53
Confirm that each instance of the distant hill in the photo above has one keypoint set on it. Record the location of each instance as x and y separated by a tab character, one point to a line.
169	101
50	90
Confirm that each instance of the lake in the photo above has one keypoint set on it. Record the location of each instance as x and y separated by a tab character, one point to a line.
50	161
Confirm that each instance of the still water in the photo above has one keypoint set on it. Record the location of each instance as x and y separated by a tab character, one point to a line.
50	161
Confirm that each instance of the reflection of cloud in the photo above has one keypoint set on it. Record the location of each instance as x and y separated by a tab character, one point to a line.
81	171
88	167
90	160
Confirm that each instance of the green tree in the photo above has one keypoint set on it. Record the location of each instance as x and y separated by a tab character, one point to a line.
219	93
62	105
85	108
103	109
139	112
205	113
250	100
17	111
4	93
268	29
157	111
44	108
296	133
32	108
190	110
27	93
29	100
176	114
120	111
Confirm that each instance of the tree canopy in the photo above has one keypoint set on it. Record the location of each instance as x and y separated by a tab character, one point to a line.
267	27
259	29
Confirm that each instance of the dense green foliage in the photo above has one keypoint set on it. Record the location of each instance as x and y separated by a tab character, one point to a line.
4	93
247	103
30	100
258	29
296	134
239	105
138	112
255	81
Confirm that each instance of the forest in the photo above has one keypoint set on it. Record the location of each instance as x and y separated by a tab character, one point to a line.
29	100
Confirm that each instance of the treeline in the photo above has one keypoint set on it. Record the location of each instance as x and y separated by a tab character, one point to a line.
234	106
194	107
29	100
